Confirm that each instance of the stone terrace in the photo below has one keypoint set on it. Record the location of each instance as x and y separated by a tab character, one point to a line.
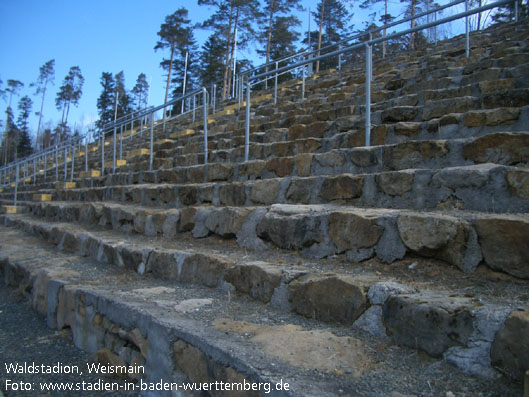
417	243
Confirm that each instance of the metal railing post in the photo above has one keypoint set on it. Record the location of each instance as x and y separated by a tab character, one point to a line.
56	164
368	95
205	115
340	58
213	97
65	164
151	141
16	185
102	153
194	106
35	171
114	152
275	85
467	36
241	93
303	83
121	142
73	163
516	10
163	116
247	126
86	153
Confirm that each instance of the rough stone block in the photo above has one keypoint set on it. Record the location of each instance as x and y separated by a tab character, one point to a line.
342	187
506	148
395	183
353	231
328	297
504	244
257	279
429	322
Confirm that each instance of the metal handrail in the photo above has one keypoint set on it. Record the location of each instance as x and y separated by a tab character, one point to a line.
368	46
71	143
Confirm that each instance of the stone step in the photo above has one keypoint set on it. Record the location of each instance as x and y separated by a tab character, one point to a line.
486	187
461	238
365	300
501	148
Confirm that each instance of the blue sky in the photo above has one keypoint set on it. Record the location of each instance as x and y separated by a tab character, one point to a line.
98	36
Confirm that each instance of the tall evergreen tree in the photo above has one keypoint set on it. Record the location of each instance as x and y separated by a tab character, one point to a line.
23	140
140	91
176	34
282	40
274	9
2	92
10	138
505	13
233	21
106	101
211	60
46	75
70	92
124	101
331	16
13	86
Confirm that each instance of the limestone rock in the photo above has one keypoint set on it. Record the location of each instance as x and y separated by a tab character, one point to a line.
257	279
342	187
353	231
265	191
304	163
409	154
233	194
399	113
288	228
395	183
510	350
379	292
107	357
300	190
328	297
518	182
478	118
504	244
429	322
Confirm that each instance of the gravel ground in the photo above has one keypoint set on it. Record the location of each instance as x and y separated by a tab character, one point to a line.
25	337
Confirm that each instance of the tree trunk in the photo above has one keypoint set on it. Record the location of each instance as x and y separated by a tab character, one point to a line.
319	36
40	116
227	65
168	79
269	39
412	25
232	53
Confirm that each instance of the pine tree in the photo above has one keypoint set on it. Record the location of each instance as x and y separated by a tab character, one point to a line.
23	139
13	86
274	9
176	34
69	93
505	13
106	101
47	75
10	138
211	60
282	40
233	22
124	105
331	16
2	92
140	91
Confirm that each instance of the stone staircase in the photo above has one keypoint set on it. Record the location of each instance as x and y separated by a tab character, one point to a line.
320	261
